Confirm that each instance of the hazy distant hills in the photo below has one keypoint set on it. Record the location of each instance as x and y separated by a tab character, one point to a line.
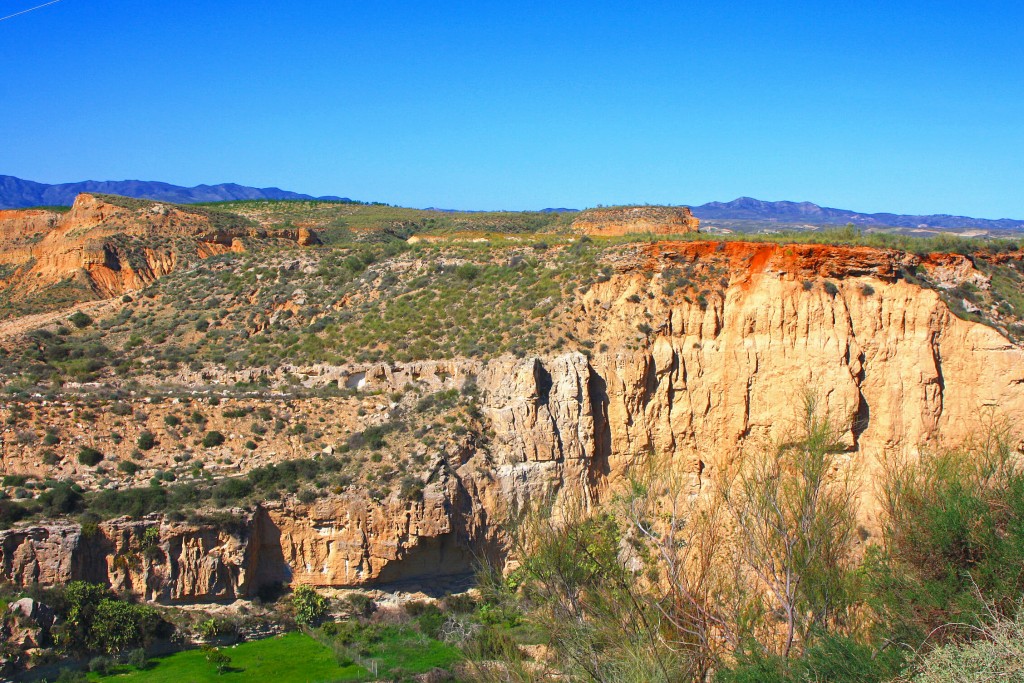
16	193
747	208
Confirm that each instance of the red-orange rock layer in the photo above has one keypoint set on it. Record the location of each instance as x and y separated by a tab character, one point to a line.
798	260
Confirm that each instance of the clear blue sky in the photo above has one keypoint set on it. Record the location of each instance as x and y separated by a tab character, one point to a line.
913	107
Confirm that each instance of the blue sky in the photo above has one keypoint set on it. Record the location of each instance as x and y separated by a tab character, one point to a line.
912	107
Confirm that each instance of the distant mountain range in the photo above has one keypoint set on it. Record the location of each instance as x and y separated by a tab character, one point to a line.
747	208
16	193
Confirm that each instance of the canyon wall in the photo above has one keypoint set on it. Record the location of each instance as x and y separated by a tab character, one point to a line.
699	351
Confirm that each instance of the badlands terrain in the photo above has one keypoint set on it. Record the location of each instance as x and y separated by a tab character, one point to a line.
206	407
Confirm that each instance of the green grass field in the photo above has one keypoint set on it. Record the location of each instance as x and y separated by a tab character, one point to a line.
292	658
297	658
401	649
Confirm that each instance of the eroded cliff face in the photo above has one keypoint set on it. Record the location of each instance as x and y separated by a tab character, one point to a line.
111	249
353	541
699	350
20	228
342	540
886	358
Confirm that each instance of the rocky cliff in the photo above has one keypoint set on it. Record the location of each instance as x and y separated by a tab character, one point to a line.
339	541
699	350
110	245
625	220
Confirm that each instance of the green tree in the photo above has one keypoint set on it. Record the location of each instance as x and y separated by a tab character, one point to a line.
118	625
80	602
310	606
96	622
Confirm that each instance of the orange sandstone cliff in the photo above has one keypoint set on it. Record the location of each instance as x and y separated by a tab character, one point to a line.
110	245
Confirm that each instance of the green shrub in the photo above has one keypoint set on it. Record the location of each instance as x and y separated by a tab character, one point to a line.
835	659
467	272
128	467
995	654
310	606
11	512
360	605
215	627
63	498
218	658
121	409
430	621
213	439
69	675
230	491
80	319
460	603
146	440
954	536
137	658
101	665
411	488
90	457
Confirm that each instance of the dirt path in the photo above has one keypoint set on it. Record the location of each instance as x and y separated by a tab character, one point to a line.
15	327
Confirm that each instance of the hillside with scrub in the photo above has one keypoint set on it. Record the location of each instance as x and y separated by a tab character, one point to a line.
604	445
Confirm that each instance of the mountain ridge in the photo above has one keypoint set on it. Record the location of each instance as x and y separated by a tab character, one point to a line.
16	193
748	208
